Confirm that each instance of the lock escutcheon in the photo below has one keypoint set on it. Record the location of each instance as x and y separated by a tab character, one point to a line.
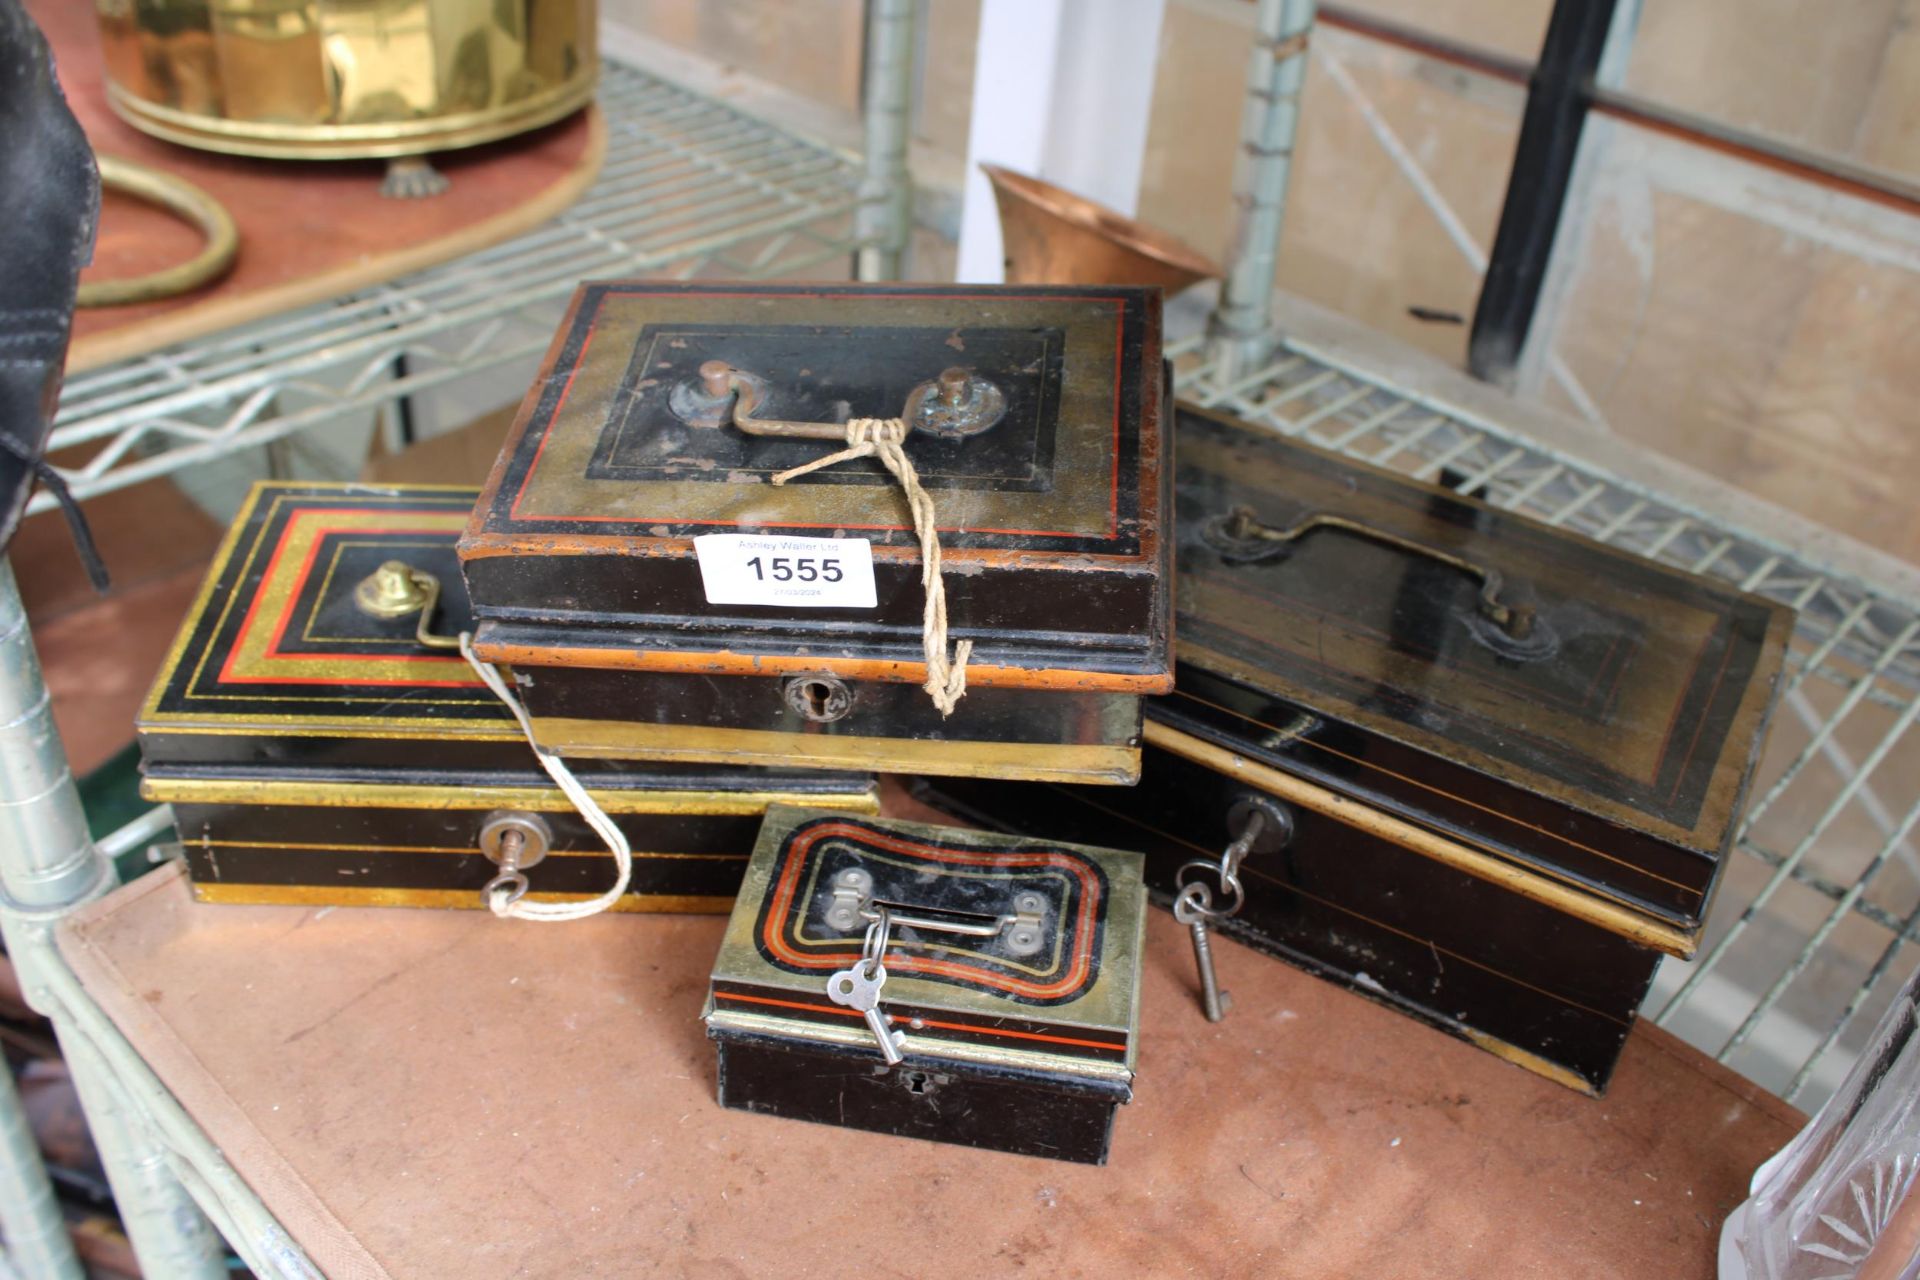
821	699
515	839
1276	826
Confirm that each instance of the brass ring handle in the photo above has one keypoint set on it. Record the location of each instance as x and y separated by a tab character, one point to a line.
1242	526
177	196
397	589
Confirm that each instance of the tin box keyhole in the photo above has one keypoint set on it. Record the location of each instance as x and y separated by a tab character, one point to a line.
821	699
923	1084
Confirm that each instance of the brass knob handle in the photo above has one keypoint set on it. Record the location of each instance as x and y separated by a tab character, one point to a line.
1243	537
397	589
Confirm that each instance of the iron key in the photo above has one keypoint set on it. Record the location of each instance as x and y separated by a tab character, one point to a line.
1192	908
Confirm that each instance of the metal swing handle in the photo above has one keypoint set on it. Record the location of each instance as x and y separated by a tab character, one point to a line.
1243	526
719	380
956	404
854	901
397	589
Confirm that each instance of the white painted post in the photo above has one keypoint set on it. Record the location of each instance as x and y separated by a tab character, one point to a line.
1062	90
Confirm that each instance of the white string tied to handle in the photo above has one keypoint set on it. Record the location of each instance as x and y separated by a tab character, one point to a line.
883	438
500	901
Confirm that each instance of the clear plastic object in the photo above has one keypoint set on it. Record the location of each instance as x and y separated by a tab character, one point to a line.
1839	1200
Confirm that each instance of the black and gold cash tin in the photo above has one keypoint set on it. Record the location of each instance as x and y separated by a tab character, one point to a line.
314	750
1513	758
1022	1040
582	569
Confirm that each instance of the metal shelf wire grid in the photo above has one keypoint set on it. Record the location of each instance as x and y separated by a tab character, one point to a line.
1809	934
689	187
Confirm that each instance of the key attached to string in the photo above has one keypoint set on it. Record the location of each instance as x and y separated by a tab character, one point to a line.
858	988
1262	825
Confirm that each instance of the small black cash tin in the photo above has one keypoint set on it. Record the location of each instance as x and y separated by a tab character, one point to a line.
1021	1044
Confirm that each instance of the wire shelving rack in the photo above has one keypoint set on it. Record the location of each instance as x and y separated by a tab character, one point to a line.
1818	914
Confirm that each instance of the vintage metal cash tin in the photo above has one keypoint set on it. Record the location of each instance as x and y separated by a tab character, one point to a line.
1513	758
581	563
314	751
1022	1040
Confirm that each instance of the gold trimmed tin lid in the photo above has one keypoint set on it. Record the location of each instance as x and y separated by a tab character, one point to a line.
1502	682
1000	951
319	658
1035	426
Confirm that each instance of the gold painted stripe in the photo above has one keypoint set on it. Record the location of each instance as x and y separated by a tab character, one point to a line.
1034	762
1530	1061
202	600
362	896
329	847
278	493
1612	917
377	795
215	724
253	656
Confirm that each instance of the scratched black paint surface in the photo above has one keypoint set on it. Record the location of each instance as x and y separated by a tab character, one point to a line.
1024	1113
1399	700
701	855
1463	953
1081	601
836	372
1458	953
898	711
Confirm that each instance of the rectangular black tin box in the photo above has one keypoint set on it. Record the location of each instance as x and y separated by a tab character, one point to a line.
1015	1043
316	752
1513	758
582	568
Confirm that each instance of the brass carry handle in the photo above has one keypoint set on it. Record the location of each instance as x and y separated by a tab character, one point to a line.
184	200
397	589
1242	526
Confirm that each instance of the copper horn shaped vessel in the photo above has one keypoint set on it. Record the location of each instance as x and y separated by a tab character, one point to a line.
1052	236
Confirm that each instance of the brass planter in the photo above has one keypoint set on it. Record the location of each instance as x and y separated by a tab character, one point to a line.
346	79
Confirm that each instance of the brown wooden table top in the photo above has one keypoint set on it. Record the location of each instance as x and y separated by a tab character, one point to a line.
308	230
435	1094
